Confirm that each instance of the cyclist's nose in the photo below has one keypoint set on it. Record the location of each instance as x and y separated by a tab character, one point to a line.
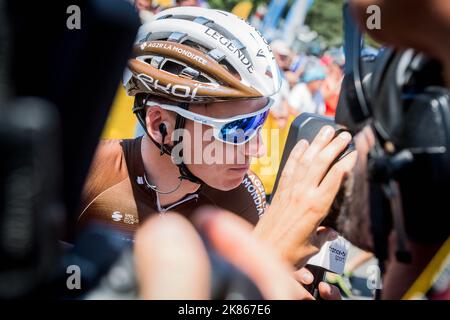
255	147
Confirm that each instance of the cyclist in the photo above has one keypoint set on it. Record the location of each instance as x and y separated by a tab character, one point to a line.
192	68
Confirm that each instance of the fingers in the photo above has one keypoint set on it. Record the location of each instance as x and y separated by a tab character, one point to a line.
231	237
170	260
333	179
326	156
292	164
302	156
207	218
329	292
321	140
303	276
326	291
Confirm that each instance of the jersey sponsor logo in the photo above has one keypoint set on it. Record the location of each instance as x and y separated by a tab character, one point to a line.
175	48
256	190
116	216
130	219
231	48
338	252
170	89
127	218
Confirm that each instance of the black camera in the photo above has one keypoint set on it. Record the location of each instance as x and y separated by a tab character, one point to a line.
403	97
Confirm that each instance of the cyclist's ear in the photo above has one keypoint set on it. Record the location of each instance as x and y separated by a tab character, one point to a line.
157	118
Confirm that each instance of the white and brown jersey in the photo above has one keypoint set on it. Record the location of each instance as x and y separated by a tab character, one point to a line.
115	191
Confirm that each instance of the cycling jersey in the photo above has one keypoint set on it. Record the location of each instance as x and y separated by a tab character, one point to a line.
116	191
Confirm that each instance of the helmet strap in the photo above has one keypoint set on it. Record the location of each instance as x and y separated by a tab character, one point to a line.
185	173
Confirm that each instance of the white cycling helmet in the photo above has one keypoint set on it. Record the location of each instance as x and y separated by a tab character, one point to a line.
199	55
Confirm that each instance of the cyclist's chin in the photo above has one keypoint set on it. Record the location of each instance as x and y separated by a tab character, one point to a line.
223	177
227	185
226	181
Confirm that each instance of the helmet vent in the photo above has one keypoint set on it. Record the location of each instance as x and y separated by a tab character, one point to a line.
189	73
156	62
237	44
145	39
195	45
173	67
165	17
217	55
204	79
177	37
230	69
202	20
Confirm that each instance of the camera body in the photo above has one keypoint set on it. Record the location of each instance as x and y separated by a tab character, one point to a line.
403	97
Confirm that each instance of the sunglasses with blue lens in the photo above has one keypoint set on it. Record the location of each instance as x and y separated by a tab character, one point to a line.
237	130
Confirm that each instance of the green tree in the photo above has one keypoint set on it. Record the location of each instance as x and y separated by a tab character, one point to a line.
325	17
226	5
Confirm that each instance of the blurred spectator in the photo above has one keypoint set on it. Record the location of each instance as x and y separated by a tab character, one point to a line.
143	5
332	84
257	18
306	96
187	3
297	67
283	57
299	64
282	53
144	8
